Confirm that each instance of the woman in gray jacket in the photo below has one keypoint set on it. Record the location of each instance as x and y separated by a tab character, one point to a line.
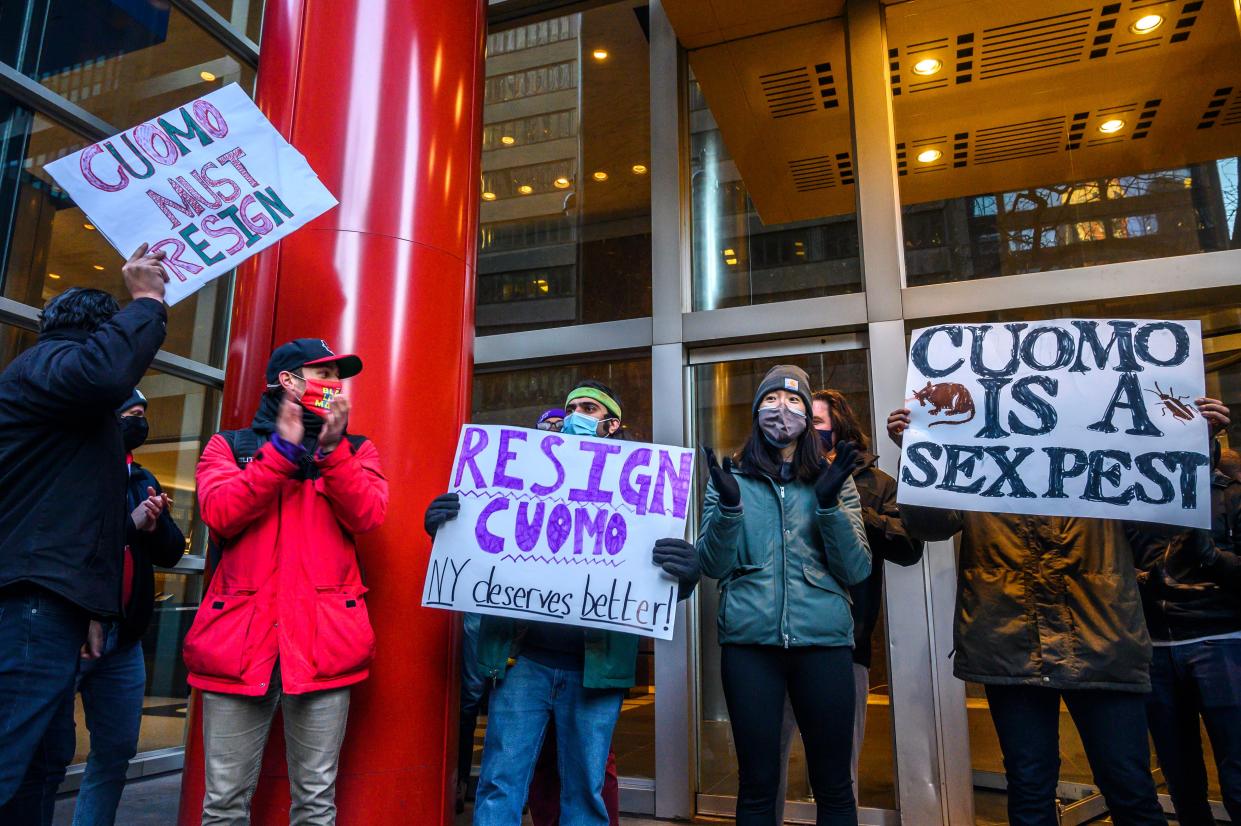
783	533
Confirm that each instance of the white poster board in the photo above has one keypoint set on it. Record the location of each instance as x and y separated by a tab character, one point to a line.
1073	417
210	183
559	528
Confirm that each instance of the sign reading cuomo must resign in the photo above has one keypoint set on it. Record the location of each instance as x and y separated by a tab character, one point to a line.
210	183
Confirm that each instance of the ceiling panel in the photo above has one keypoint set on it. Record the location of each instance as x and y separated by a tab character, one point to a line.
1016	100
700	23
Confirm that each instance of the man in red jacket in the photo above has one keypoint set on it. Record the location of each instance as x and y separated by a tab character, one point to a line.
284	620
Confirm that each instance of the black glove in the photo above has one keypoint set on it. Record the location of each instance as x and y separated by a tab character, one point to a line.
679	558
444	507
725	484
832	477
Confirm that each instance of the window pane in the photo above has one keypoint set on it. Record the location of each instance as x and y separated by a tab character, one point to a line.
47	245
723	399
125	62
774	214
246	16
566	213
517	397
1132	156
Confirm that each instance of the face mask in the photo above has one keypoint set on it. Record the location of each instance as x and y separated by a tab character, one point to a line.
134	430
827	438
319	394
579	424
781	425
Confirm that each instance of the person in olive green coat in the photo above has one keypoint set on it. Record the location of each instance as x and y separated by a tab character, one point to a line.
783	534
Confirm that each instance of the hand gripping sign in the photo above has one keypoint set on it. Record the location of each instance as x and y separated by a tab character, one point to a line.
559	528
1074	417
210	183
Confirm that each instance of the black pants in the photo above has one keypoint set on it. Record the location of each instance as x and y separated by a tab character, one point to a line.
1112	725
819	684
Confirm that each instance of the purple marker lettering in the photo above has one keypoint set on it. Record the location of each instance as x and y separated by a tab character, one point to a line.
679	481
84	164
173	262
528	529
156	144
487	540
474	443
210	229
501	479
584	524
218	184
592	492
559	523
548	443
167	205
210	118
637	497
617	533
233	158
259	222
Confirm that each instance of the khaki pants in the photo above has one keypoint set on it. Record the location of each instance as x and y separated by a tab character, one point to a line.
235	731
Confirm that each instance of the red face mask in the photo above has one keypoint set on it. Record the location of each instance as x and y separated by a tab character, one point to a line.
319	394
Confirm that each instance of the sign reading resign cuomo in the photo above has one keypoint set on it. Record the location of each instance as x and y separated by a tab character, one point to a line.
210	184
560	528
1074	417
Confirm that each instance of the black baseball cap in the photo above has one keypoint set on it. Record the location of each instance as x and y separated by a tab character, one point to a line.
301	352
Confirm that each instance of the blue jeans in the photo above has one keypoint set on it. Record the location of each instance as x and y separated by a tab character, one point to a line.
1112	725
1202	679
521	705
112	690
41	636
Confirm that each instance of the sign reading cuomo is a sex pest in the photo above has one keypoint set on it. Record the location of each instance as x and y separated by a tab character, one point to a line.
1073	417
560	528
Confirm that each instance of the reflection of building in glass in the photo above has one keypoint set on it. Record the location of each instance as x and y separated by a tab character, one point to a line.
565	186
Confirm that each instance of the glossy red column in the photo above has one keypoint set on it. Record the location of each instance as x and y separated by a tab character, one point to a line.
384	97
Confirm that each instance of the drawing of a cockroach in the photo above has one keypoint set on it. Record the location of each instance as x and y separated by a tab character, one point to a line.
1171	403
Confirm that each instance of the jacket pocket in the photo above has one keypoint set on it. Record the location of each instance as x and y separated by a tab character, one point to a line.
344	640
217	643
742	596
822	579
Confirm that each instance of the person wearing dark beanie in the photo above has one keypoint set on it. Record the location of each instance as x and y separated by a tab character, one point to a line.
782	531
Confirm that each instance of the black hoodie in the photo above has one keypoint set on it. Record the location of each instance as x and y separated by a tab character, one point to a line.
888	541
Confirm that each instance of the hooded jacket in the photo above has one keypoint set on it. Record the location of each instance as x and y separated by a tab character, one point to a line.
1046	601
1191	579
784	564
288	585
62	461
163	546
888	541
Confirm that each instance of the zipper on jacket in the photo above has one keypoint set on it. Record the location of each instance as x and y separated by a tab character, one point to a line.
784	565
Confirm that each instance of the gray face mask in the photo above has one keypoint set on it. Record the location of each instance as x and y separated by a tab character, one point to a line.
781	425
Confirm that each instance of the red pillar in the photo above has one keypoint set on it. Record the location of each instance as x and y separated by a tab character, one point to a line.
384	97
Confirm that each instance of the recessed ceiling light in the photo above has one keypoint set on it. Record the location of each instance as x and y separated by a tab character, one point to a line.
729	253
639	169
929	155
561	183
98	267
928	66
207	76
1146	24
489	196
525	189
53	276
89	226
600	175
508	140
730	261
1110	126
599	54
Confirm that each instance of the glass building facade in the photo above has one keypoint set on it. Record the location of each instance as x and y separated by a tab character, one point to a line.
672	201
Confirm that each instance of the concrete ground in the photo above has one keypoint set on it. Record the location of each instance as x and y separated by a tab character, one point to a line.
153	802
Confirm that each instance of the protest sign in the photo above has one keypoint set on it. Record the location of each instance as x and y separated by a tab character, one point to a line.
1074	417
559	528
210	183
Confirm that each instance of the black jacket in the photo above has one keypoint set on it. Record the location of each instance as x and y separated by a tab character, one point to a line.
888	541
62	463
164	547
1191	579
